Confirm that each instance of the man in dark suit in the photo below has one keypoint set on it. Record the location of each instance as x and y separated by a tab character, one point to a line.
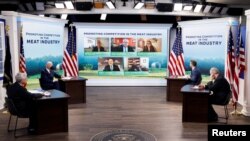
124	47
111	66
47	76
98	47
22	99
134	67
195	77
219	90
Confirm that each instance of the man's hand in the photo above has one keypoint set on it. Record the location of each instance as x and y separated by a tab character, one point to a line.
201	86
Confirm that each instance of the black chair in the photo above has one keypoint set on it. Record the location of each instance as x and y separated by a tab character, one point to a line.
14	112
41	84
225	103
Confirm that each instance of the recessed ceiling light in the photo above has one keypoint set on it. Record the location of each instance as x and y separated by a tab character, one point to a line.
197	8
69	4
59	5
178	7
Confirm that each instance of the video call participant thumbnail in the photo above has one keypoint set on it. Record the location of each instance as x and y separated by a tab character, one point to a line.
149	47
124	47
111	66
99	47
134	66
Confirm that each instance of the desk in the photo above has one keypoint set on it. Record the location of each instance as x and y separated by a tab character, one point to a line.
173	88
76	88
194	105
51	113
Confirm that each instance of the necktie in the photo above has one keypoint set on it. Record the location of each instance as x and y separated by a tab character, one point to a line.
111	67
125	49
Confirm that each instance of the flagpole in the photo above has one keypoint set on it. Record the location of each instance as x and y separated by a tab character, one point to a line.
235	111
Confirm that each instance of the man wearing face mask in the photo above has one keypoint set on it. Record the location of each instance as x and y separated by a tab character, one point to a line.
22	98
219	90
47	77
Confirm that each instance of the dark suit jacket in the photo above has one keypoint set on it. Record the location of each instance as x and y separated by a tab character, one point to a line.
115	68
95	49
195	77
152	49
134	68
120	49
220	89
47	79
21	97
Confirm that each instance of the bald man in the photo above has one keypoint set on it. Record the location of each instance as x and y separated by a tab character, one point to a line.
47	77
111	66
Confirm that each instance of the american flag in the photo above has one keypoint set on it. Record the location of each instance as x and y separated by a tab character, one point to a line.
22	64
241	52
176	59
235	85
230	58
70	56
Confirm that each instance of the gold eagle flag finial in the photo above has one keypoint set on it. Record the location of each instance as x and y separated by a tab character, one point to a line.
7	29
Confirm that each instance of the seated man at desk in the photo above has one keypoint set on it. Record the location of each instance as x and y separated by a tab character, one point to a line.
47	76
195	77
22	99
219	90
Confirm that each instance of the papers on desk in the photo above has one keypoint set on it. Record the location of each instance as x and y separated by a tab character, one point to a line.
66	78
185	76
45	93
196	87
36	91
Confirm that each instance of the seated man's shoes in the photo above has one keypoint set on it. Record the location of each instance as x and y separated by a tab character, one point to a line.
213	119
31	131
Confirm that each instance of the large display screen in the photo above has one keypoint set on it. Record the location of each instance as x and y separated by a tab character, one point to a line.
122	50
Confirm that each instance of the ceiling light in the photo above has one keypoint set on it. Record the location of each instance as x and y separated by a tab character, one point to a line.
197	8
110	5
64	16
40	6
216	10
59	5
224	10
139	5
178	7
103	17
207	8
29	6
69	4
188	8
52	16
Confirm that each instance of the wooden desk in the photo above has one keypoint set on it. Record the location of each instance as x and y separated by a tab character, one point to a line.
76	88
51	113
173	89
194	105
